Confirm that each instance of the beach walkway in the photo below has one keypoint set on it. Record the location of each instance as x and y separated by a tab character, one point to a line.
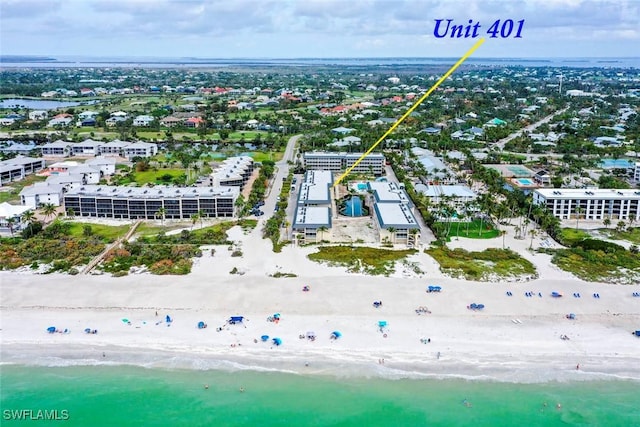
95	261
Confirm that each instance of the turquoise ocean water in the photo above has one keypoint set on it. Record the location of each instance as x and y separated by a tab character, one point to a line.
136	396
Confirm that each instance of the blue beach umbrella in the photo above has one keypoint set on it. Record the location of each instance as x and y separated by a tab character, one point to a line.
51	329
264	338
200	324
336	334
277	341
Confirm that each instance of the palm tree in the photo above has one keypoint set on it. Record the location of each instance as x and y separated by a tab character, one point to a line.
10	223
48	210
607	222
194	219
579	210
320	232
161	212
392	230
533	234
201	216
620	227
71	212
28	217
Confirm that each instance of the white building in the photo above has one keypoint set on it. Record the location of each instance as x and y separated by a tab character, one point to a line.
456	196
313	207
140	149
17	168
37	115
395	223
594	204
104	201
57	148
636	172
11	217
335	162
114	148
143	120
233	172
106	165
88	147
89	175
41	193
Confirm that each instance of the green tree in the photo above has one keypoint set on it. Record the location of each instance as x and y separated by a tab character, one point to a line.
48	210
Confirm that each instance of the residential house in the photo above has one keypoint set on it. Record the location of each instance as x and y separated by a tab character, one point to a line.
38	115
143	120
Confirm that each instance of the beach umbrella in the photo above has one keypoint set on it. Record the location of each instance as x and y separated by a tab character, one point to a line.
277	341
336	334
200	324
264	337
125	320
382	323
51	329
276	316
87	330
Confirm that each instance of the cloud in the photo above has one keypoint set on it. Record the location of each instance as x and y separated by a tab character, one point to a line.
272	25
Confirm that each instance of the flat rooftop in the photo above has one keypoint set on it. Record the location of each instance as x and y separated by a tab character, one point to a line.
312	217
388	192
396	215
157	192
581	193
448	190
315	187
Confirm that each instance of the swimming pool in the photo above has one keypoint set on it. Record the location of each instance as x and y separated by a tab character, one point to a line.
362	186
524	181
353	207
617	163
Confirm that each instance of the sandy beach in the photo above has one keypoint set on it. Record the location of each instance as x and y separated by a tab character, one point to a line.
514	338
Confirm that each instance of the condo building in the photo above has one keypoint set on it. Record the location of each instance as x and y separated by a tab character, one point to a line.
336	162
590	204
104	201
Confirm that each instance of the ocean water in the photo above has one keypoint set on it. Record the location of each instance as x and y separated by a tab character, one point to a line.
137	396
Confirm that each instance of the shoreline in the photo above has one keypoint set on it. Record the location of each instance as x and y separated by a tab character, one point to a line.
486	345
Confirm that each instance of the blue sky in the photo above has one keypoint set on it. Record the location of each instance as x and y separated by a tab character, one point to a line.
312	28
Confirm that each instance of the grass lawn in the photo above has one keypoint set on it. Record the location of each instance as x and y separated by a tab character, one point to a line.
631	234
11	192
569	236
260	156
489	264
151	229
107	233
151	176
474	230
361	259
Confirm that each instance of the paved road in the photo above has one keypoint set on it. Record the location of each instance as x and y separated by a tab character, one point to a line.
500	144
275	186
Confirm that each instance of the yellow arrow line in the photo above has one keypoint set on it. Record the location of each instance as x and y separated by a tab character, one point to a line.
410	110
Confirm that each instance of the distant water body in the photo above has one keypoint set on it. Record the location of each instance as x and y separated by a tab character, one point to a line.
158	62
135	396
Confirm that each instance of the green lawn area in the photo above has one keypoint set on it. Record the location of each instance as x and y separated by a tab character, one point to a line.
107	233
11	192
486	265
631	234
361	259
151	229
569	236
260	156
471	229
151	176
